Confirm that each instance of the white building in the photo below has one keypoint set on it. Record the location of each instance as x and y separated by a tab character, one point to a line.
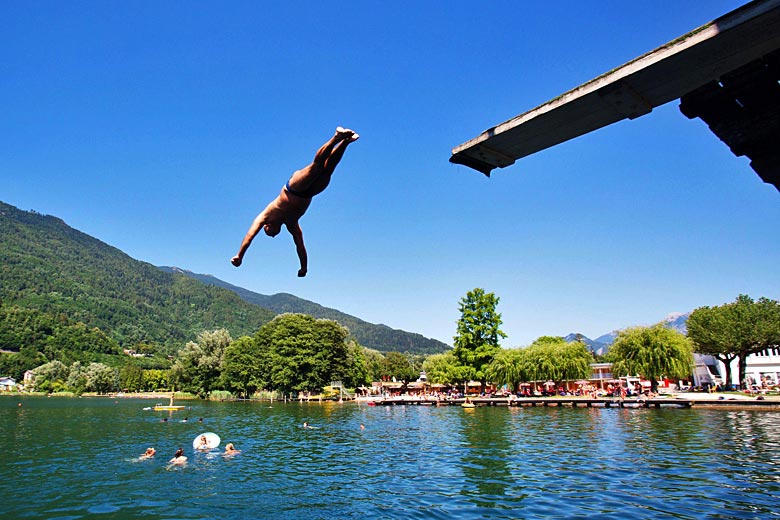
763	367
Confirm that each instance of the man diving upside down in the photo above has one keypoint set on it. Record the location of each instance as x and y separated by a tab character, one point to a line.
295	197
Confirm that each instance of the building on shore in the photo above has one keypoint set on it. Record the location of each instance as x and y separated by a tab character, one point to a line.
761	369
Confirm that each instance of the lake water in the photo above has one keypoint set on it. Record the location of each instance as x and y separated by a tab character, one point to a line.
78	458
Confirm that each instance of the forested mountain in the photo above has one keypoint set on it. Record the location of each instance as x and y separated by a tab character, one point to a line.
61	289
64	293
379	337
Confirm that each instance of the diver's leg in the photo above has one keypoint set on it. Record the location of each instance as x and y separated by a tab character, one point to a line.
335	156
323	163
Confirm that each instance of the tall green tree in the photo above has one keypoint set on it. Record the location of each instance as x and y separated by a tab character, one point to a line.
357	371
157	379
478	333
197	366
101	378
77	378
736	330
301	353
50	377
652	352
373	360
131	377
400	367
241	370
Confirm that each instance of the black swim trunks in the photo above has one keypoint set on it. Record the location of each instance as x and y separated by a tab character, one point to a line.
296	193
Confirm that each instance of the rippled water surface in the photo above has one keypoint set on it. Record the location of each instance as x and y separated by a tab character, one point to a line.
78	458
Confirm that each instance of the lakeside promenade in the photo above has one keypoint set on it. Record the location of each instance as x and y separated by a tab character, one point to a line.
683	400
679	400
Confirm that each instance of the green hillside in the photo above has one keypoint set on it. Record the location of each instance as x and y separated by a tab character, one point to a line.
59	286
378	337
69	296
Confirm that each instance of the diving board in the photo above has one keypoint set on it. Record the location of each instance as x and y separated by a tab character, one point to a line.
697	67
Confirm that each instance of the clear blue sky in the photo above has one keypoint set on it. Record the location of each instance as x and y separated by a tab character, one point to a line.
162	128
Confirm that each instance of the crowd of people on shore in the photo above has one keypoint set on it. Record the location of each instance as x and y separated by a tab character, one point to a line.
585	390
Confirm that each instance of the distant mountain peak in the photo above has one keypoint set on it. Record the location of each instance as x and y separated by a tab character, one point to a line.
595	346
674	320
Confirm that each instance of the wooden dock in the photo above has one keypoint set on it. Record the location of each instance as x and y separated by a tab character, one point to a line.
584	402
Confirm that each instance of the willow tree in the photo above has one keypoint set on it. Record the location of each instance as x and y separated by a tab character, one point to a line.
736	330
444	369
478	333
507	368
553	358
652	352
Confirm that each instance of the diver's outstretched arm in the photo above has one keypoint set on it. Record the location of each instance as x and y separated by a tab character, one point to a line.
300	247
254	229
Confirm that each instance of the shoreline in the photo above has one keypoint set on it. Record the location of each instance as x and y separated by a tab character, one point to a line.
680	400
683	400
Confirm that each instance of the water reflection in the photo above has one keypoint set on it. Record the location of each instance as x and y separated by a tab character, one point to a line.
486	451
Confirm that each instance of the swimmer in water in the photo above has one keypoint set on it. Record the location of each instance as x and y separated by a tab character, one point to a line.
149	453
179	457
230	449
204	443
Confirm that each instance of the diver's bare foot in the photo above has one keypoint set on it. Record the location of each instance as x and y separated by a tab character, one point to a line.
236	261
346	134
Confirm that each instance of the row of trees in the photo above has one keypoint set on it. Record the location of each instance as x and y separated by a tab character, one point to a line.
297	353
292	353
728	332
478	355
547	358
56	376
